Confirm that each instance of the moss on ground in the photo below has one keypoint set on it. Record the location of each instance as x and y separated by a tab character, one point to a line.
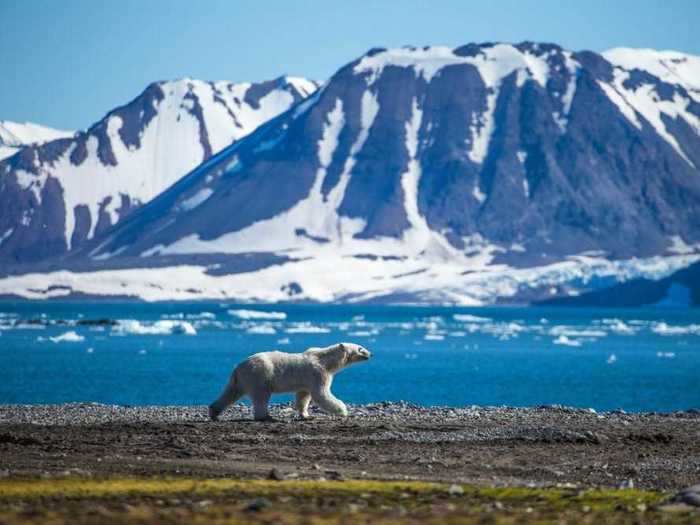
178	500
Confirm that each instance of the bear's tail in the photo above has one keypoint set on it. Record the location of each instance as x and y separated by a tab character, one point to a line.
230	395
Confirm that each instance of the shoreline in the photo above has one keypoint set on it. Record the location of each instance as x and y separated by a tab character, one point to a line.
491	446
94	412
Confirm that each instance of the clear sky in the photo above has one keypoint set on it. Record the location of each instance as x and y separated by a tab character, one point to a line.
65	63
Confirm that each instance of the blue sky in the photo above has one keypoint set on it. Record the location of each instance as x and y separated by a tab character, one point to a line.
65	63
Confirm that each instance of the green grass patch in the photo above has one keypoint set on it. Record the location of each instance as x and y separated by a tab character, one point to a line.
104	488
178	500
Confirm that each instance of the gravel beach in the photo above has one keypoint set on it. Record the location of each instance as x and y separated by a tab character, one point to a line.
485	446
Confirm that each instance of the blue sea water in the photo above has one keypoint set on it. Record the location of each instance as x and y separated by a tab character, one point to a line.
636	360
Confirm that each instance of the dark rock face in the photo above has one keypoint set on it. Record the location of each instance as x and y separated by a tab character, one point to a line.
138	114
540	154
25	224
40	182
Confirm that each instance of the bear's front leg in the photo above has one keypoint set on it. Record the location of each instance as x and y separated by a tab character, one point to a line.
303	400
328	402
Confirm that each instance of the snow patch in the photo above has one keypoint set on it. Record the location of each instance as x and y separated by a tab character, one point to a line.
672	67
5	235
679	246
478	194
567	98
645	101
196	199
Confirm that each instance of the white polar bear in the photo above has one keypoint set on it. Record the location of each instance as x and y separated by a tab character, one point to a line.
309	374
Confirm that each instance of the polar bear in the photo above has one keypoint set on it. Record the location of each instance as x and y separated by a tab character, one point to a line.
309	374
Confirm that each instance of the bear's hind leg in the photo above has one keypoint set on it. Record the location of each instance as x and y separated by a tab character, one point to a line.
303	400
260	400
230	395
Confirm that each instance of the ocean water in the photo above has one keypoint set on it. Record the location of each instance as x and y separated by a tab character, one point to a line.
183	353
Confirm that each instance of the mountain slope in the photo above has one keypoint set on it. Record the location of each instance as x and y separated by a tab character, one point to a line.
56	195
14	136
483	173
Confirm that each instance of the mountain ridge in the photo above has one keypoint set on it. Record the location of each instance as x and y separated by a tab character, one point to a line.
437	173
136	151
16	135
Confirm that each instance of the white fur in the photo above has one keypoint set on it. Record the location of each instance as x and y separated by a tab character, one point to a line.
309	374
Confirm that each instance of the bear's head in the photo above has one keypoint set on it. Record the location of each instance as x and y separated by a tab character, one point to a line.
354	353
338	356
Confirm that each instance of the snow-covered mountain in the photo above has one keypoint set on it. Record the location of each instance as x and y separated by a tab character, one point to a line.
56	195
14	136
489	172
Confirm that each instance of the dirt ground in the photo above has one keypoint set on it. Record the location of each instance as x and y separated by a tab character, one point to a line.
479	446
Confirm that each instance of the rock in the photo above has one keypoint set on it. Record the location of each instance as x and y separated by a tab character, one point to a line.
676	507
258	504
689	496
626	484
334	475
455	490
275	475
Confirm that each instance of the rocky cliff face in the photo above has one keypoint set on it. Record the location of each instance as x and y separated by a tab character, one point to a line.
56	195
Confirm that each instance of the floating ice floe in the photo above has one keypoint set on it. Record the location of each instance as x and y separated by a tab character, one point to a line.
434	337
500	330
306	328
196	317
564	340
263	329
569	331
665	329
467	318
667	355
162	327
283	341
257	314
618	326
362	333
68	337
611	359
